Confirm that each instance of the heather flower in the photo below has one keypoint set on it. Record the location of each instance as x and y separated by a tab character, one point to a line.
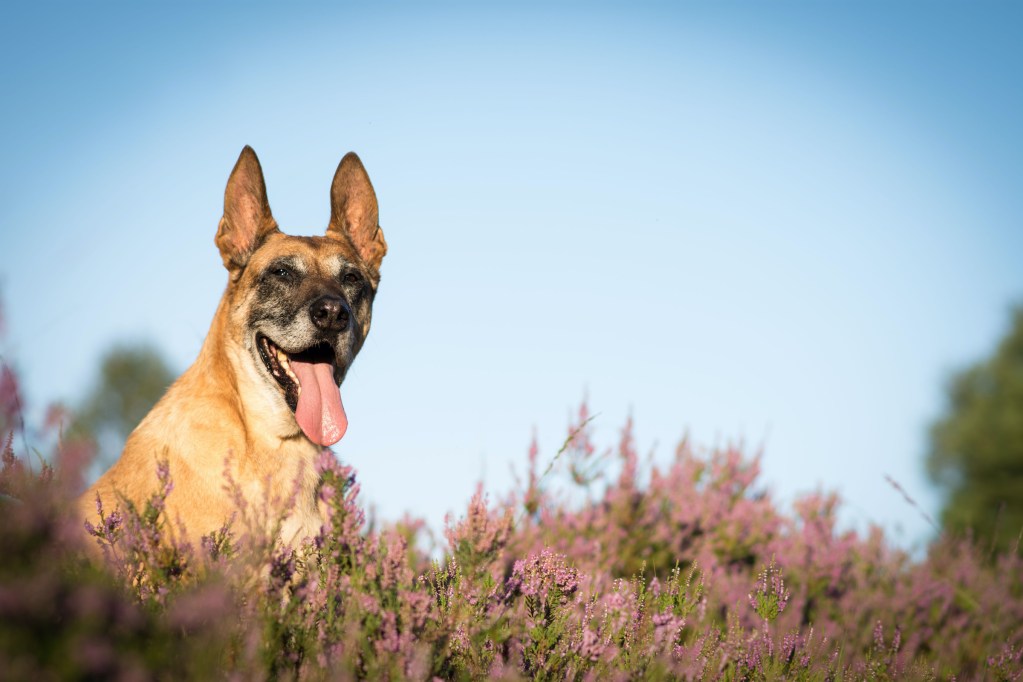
341	533
56	417
11	470
194	610
394	567
72	459
629	457
544	575
217	545
477	539
667	628
10	399
282	568
1008	664
769	596
598	587
580	435
878	636
584	465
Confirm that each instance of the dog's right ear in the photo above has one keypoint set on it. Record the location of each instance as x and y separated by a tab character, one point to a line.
247	219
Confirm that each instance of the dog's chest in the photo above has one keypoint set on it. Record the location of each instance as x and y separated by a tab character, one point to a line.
279	484
295	483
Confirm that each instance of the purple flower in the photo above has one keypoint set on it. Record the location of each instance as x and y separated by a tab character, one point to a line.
769	596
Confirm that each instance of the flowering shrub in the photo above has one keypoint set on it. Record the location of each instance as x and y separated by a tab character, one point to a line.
680	571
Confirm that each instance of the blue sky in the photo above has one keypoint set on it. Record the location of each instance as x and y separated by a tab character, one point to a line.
784	223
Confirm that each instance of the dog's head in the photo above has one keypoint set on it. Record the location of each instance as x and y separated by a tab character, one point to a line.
300	307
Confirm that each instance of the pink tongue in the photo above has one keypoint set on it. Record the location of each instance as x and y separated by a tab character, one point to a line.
320	412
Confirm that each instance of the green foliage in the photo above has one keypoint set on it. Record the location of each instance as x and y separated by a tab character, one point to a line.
976	450
769	597
132	377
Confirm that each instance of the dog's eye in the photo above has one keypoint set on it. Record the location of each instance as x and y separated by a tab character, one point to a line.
352	278
281	273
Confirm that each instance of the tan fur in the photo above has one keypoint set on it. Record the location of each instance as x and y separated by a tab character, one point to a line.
223	408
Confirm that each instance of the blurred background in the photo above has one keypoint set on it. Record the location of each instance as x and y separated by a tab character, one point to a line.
793	224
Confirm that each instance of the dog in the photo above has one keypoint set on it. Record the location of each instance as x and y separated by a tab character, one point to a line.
262	400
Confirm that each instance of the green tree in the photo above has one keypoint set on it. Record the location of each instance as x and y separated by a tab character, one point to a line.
976	448
132	377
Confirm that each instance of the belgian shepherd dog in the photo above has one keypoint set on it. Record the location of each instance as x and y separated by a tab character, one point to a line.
263	398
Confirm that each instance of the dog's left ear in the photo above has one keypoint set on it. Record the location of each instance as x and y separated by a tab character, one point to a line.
353	211
247	219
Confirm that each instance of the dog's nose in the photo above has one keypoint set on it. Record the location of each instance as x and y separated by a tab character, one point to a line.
330	313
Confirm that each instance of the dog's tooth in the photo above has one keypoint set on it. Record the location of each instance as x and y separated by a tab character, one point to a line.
285	364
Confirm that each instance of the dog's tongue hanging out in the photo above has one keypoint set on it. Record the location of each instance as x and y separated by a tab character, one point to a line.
319	412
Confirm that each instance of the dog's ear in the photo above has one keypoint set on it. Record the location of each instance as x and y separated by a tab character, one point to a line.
247	219
353	211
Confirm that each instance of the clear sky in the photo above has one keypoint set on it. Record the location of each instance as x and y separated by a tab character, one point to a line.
785	223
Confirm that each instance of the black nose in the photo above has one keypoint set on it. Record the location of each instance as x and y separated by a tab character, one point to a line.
330	313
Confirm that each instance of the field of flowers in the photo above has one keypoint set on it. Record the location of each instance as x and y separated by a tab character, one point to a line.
630	570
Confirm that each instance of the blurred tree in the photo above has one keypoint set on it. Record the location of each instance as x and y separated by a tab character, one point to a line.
976	448
132	377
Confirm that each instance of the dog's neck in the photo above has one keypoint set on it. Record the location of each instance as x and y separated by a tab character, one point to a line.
224	381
